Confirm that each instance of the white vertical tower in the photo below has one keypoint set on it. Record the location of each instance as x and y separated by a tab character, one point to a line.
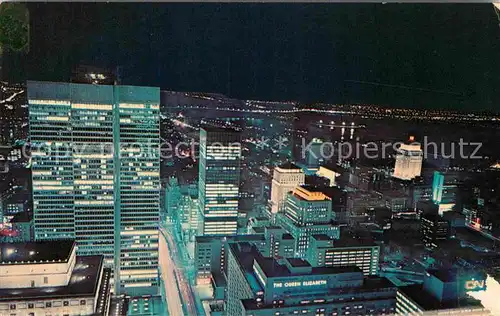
285	178
409	159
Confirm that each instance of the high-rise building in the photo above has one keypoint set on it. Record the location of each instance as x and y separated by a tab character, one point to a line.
308	211
324	251
409	159
219	180
285	178
315	156
95	169
445	186
257	285
434	229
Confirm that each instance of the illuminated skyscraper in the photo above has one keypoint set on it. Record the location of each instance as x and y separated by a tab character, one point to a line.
95	164
219	180
434	229
285	178
409	159
445	190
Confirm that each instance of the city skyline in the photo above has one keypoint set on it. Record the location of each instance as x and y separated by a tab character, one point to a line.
370	189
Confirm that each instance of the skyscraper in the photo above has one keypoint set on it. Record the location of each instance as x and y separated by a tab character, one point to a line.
219	180
285	178
445	189
95	169
434	229
409	159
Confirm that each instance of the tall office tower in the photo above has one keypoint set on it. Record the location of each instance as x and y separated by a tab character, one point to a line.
434	229
219	180
445	189
307	212
285	178
315	155
95	169
409	159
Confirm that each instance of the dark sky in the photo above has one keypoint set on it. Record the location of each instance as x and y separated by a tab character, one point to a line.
282	51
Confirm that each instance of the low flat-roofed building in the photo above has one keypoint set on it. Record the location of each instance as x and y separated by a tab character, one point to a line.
47	278
443	292
211	257
209	253
258	285
324	251
413	300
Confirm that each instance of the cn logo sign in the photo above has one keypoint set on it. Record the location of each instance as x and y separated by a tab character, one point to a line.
474	285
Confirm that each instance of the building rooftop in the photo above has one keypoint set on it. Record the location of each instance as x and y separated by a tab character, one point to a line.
297	262
309	193
36	252
216	129
334	167
84	282
445	275
288	165
23	217
346	241
259	230
238	238
272	268
428	302
287	236
370	284
218	279
434	217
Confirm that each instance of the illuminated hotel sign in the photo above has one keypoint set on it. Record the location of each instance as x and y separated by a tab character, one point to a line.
475	285
297	284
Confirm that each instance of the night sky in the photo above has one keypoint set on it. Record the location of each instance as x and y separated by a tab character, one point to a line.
281	51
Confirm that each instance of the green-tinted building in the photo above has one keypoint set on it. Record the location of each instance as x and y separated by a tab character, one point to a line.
324	251
307	212
95	164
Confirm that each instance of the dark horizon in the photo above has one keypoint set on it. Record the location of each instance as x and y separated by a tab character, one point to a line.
439	56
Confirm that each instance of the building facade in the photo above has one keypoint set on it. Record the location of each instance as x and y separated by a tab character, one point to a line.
443	292
434	229
48	278
219	180
95	170
258	285
210	258
445	189
285	178
409	159
307	212
324	251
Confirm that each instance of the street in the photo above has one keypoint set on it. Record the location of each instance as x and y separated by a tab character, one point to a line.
177	287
